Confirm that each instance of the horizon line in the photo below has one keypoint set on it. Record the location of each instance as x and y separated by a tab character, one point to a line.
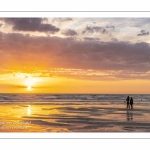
87	93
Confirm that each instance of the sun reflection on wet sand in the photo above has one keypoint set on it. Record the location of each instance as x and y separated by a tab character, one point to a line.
72	117
29	110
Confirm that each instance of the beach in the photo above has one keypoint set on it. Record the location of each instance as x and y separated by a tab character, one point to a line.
68	116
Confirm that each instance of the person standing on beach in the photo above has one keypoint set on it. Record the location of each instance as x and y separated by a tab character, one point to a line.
127	100
131	102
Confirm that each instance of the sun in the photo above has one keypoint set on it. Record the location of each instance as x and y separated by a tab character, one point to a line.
29	82
29	87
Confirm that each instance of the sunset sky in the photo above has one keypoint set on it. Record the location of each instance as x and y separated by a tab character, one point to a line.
75	55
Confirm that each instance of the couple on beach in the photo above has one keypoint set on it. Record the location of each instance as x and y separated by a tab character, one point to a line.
129	101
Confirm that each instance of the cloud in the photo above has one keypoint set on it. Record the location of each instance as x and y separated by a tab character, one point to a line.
30	24
92	29
104	31
62	19
98	29
69	32
111	27
91	39
143	33
115	59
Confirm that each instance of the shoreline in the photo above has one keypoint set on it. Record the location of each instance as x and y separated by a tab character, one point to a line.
75	117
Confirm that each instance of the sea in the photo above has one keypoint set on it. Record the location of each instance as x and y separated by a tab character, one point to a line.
112	98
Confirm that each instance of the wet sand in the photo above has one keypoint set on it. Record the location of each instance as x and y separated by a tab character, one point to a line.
74	117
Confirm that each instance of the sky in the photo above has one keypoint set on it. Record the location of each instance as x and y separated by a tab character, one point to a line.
75	55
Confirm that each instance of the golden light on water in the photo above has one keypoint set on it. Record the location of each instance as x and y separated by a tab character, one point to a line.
29	110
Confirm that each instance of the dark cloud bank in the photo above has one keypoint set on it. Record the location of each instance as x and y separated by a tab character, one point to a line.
17	50
30	24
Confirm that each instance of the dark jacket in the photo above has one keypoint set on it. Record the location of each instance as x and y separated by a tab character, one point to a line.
127	100
131	101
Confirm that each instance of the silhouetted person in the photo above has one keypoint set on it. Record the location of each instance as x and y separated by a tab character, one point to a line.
131	102
128	102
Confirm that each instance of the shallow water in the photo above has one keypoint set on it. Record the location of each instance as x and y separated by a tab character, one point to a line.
31	115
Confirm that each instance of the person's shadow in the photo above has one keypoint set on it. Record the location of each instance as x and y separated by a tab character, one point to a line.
129	116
